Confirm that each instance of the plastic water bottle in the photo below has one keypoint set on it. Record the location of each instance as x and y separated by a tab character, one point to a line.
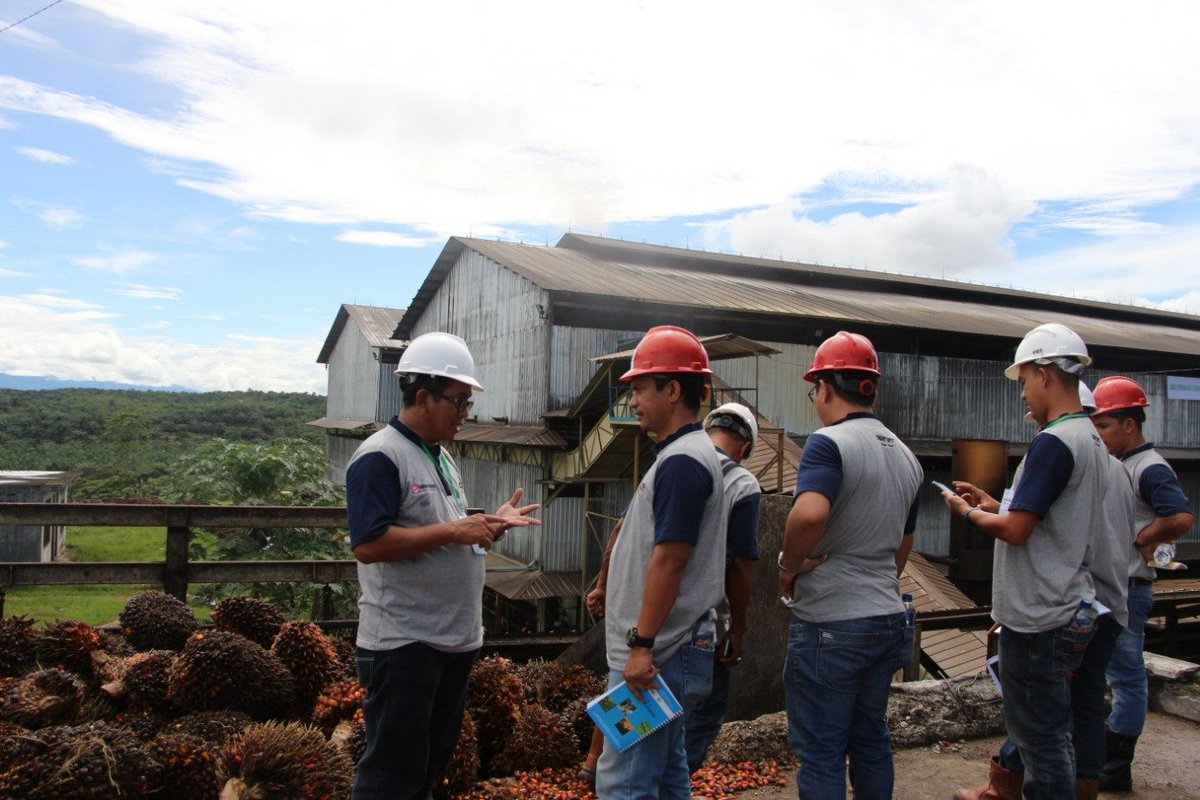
1085	617
910	613
1164	554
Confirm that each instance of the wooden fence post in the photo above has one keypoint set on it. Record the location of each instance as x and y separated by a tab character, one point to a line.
175	571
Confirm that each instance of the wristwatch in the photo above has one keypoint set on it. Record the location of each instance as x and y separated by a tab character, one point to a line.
634	640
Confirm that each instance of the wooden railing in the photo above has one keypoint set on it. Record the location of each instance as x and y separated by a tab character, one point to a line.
177	570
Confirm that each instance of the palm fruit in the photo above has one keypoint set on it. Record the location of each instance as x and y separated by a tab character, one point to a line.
219	670
346	652
16	646
88	762
257	620
555	685
494	698
538	741
17	744
42	698
189	766
309	654
355	741
337	702
154	620
213	727
145	725
278	760
139	681
68	644
575	720
96	707
463	769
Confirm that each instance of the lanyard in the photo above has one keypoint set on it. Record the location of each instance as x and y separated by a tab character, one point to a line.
1062	417
438	463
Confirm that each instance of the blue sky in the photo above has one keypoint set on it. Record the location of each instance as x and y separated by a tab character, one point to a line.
188	190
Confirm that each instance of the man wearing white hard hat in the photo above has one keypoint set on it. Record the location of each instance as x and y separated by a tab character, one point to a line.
733	431
421	568
1043	594
1110	568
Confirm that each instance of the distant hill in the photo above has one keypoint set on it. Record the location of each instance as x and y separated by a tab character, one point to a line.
121	441
35	382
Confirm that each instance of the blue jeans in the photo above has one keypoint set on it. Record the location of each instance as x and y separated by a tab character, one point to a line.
704	723
413	714
656	767
1087	706
837	678
1035	675
1127	669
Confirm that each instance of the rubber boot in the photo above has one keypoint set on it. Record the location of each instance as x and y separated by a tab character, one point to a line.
1117	775
1003	784
1087	788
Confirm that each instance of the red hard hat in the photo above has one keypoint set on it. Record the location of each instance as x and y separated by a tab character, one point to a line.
668	348
1118	392
844	350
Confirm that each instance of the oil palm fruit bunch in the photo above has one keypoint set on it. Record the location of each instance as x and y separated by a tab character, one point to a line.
283	760
43	698
16	646
154	620
68	644
189	766
213	727
494	698
222	670
257	620
310	655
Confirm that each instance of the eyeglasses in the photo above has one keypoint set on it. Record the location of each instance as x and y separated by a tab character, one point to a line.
813	392
464	402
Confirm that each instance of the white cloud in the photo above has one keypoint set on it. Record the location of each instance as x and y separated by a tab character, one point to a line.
1187	303
43	335
532	127
49	300
45	156
12	273
54	216
141	290
385	239
117	260
967	224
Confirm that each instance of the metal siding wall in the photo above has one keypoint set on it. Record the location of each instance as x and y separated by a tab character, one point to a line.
496	311
389	400
571	351
782	394
352	376
933	518
338	451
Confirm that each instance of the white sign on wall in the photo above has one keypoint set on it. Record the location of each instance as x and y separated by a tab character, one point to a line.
1183	388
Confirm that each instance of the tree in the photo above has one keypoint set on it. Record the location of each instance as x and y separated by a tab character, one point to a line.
284	472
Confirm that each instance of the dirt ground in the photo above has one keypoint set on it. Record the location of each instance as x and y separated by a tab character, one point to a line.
1167	765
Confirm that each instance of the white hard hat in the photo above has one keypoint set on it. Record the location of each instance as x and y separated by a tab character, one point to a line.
440	354
1086	398
1051	343
737	418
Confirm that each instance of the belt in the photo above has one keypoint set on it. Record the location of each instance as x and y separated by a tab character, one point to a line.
1141	582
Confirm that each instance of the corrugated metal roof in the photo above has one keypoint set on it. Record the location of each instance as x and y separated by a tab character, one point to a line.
376	323
518	581
724	345
344	424
630	273
26	477
525	435
956	652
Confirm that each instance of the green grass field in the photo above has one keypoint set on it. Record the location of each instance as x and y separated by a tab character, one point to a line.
94	603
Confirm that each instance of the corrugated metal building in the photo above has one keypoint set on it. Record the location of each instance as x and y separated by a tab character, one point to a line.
537	318
33	542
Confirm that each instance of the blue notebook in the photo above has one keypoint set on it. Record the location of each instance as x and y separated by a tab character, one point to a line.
625	720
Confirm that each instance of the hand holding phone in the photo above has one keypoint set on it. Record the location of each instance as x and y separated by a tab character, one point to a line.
941	487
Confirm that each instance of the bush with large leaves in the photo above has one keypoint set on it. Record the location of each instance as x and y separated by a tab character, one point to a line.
288	472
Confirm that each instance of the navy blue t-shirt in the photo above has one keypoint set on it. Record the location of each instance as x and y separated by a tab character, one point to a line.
681	487
821	470
1048	466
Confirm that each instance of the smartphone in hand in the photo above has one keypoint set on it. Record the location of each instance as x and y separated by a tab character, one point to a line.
941	487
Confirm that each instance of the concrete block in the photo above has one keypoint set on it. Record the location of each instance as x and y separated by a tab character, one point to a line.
1170	669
